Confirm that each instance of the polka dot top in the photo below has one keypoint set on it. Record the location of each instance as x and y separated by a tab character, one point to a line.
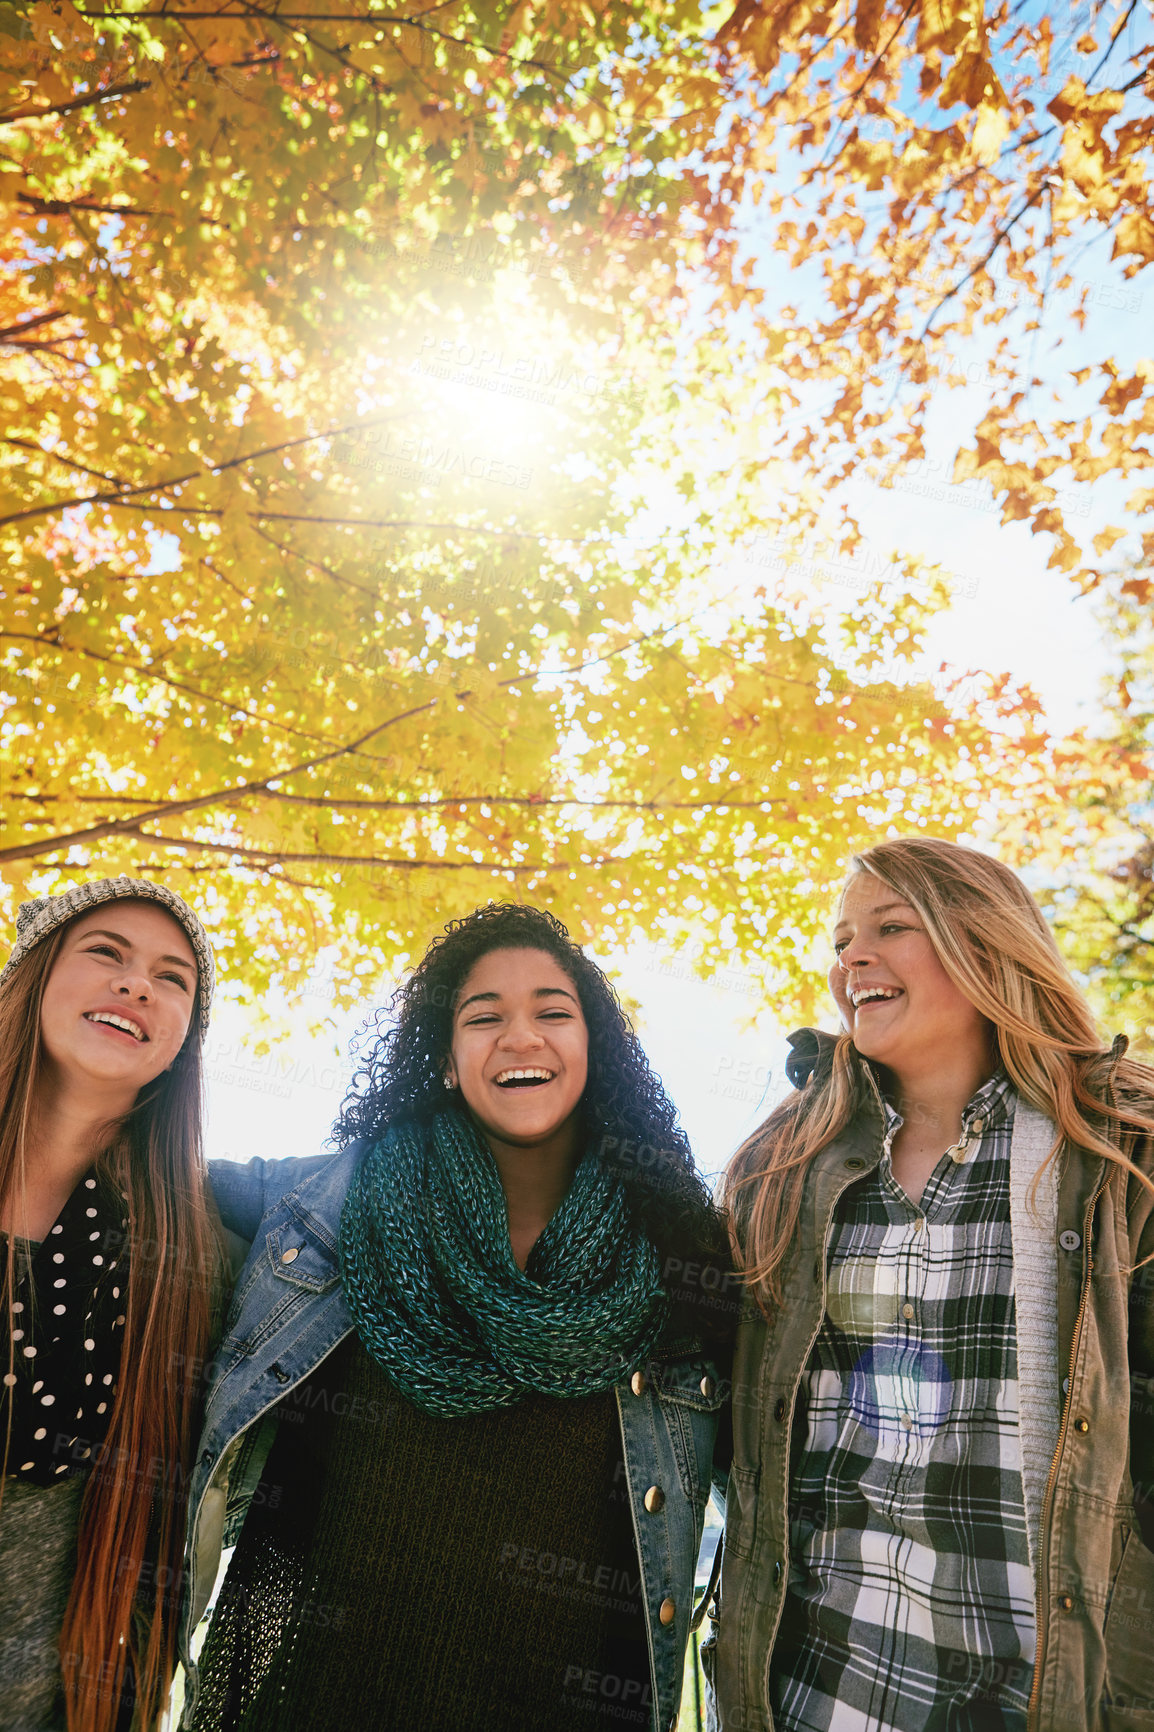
66	1329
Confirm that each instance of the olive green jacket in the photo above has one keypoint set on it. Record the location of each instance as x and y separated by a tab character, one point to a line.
1092	1556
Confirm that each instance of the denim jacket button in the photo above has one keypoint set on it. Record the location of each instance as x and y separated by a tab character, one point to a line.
291	1254
654	1499
667	1611
637	1383
707	1387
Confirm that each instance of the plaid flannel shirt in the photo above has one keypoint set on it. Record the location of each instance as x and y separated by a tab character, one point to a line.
911	1600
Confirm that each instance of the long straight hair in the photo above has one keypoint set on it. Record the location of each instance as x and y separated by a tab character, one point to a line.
133	1504
989	935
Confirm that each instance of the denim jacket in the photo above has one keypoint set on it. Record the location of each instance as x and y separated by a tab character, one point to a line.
288	1313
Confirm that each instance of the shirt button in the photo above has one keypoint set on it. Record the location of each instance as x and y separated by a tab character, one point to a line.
667	1611
978	1126
907	1422
919	1223
1070	1241
291	1255
637	1383
654	1498
907	1311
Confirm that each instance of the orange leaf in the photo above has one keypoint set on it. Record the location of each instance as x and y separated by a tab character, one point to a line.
1134	234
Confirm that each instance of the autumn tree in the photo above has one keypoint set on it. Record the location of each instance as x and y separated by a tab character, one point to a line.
390	521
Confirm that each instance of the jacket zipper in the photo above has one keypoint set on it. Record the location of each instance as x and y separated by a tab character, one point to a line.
1047	1499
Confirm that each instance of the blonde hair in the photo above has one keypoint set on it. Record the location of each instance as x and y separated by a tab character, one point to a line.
993	942
133	1505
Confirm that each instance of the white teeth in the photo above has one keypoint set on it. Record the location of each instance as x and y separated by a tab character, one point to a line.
517	1075
868	992
116	1022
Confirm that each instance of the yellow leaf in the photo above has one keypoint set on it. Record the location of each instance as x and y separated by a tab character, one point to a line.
990	132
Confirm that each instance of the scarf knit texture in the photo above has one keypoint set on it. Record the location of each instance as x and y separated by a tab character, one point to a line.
439	1302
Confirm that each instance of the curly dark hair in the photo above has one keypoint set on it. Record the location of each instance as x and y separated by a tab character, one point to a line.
402	1053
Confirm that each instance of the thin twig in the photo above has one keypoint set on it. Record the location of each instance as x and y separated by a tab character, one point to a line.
78	102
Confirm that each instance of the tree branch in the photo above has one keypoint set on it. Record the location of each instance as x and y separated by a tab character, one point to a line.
999	239
7	331
531	802
227	796
293	20
56	457
64	207
124	494
261	857
78	102
164	679
319	565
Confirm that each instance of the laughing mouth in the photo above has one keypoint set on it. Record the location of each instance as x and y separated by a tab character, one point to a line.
873	995
522	1079
121	1022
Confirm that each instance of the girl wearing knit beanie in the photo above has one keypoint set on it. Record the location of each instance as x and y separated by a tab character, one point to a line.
110	1256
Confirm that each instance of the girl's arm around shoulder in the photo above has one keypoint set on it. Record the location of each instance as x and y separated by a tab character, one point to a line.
245	1191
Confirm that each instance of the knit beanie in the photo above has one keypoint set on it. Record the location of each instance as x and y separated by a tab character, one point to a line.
35	920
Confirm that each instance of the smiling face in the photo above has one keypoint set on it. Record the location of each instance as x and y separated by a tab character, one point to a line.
895	998
118	1001
520	1049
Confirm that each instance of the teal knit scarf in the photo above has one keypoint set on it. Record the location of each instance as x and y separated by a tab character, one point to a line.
438	1300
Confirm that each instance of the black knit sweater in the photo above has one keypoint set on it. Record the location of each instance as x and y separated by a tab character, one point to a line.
400	1570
